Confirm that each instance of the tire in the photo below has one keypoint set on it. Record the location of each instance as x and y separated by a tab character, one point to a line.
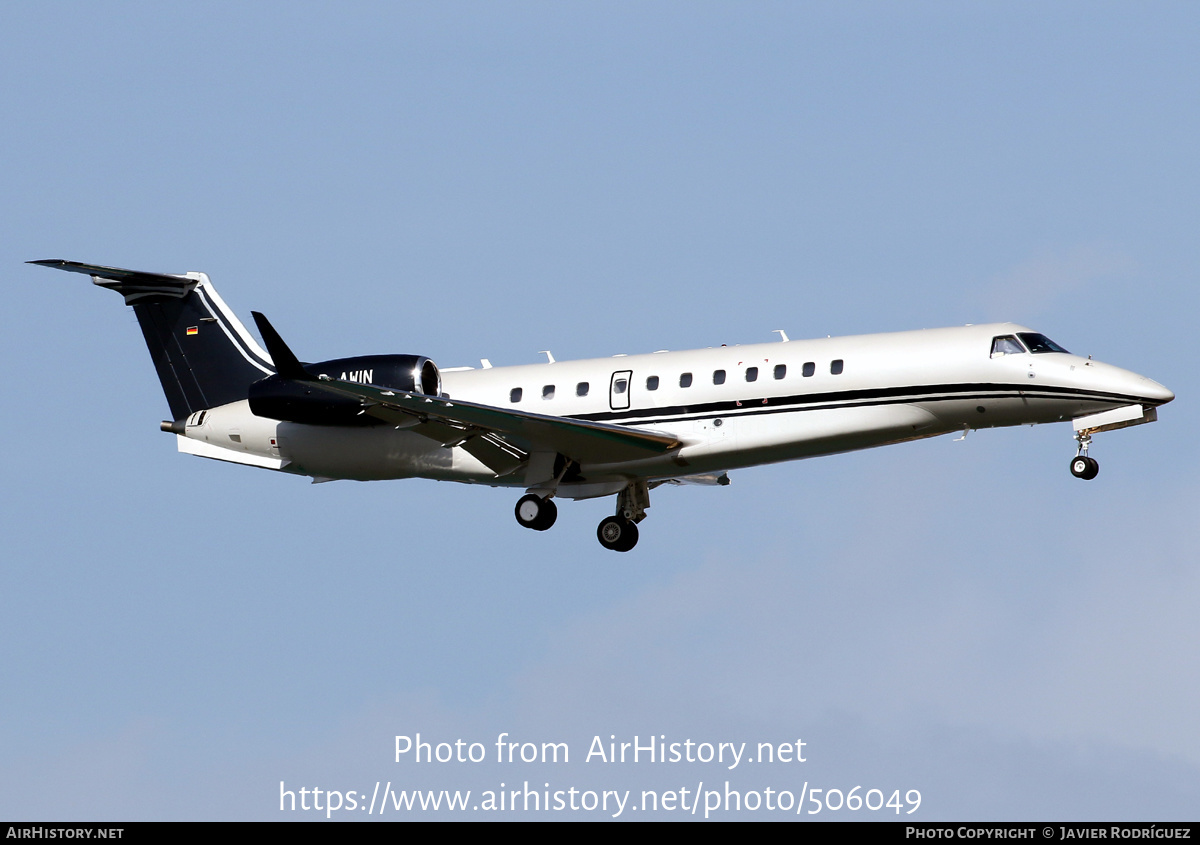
1084	467
617	533
1092	471
536	513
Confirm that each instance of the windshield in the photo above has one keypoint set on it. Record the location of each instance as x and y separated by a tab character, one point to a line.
1006	344
1040	343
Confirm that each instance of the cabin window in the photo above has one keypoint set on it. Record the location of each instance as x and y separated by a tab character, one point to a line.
581	389
718	376
620	385
835	367
652	383
752	374
810	369
514	395
780	371
1006	344
1038	343
548	392
685	380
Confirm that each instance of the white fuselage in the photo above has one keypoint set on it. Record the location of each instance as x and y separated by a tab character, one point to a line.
741	406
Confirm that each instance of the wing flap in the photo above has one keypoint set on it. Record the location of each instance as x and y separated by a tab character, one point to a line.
498	456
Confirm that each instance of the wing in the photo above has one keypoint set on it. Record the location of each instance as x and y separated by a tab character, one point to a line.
502	439
581	440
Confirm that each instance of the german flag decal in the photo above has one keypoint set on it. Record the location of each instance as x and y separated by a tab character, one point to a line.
191	330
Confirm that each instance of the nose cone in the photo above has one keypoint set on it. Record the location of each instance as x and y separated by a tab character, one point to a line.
1125	384
1139	388
1154	392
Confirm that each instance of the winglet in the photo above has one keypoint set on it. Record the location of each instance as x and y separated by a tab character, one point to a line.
287	364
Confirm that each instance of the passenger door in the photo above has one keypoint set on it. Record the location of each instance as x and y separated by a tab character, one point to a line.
618	390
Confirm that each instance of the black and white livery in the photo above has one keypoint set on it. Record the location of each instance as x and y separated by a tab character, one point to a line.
618	426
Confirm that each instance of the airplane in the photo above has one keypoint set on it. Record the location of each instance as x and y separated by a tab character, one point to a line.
619	426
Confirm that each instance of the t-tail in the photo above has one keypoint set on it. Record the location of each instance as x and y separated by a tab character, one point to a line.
203	354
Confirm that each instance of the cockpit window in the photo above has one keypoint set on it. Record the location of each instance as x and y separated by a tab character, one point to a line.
1040	343
1006	344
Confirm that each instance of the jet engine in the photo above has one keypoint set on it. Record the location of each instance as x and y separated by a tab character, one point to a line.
303	401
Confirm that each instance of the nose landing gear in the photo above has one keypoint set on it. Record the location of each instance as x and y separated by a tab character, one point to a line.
1084	467
1081	465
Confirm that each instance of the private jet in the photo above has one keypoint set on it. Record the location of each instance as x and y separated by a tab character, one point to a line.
619	426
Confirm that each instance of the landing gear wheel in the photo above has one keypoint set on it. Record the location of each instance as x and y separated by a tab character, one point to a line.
535	512
617	533
1084	467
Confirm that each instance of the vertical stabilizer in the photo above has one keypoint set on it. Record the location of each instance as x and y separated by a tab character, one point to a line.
203	354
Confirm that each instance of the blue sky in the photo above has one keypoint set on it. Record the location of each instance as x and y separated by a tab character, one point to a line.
466	181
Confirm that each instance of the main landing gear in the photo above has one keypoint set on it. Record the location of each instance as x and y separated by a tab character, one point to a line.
618	533
1081	465
535	512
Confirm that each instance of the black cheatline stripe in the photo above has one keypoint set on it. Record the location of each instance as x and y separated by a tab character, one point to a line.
232	331
853	399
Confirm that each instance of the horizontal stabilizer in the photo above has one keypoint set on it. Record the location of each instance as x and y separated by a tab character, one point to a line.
132	284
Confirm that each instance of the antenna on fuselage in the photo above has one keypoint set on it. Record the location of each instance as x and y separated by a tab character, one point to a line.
782	335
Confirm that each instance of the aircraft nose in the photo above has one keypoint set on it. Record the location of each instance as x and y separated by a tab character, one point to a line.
1145	389
1155	392
1136	387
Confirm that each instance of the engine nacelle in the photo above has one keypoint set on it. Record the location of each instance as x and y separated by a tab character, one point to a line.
292	400
410	373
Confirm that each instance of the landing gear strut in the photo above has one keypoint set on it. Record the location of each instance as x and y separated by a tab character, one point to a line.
535	512
1081	465
620	532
